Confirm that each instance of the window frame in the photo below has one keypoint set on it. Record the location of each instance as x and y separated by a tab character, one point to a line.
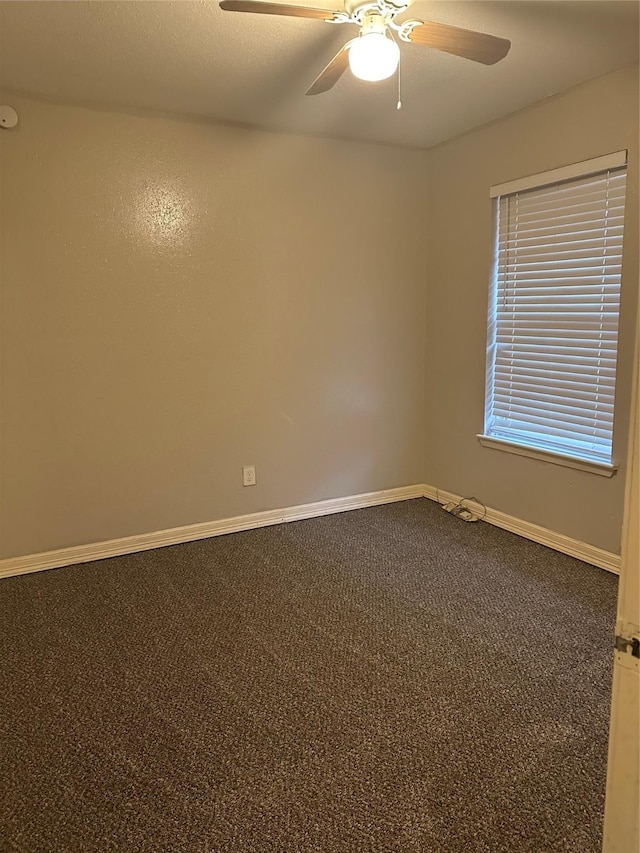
583	169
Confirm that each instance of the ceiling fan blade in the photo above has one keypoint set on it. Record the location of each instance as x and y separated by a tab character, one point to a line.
287	9
330	75
479	47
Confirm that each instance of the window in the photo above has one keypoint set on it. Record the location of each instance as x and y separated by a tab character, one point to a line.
553	314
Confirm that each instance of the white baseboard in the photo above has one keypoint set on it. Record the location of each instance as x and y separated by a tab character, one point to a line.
176	535
190	532
558	541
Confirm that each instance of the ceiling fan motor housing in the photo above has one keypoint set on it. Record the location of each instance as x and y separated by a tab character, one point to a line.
377	17
373	22
356	9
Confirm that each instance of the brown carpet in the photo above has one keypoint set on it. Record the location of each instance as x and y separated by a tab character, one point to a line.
389	679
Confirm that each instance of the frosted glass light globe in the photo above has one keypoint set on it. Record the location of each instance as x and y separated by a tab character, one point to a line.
374	57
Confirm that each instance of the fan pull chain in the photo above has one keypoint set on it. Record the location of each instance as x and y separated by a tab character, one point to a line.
399	104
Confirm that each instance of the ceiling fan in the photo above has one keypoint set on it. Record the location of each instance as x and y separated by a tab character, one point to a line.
374	54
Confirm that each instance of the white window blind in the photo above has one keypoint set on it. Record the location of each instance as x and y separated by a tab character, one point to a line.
553	316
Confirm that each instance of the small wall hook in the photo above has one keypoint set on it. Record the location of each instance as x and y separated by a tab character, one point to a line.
8	116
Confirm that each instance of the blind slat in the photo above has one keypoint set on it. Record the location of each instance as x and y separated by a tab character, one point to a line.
551	428
588	375
581	420
541	388
565	287
574	404
594	451
568	234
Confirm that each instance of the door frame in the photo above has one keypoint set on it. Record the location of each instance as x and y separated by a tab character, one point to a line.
622	805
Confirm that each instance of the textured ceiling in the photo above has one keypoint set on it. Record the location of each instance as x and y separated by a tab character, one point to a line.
192	58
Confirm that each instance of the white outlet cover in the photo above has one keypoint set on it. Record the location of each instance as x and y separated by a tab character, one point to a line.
249	475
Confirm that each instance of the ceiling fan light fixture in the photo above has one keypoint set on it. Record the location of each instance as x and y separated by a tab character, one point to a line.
374	57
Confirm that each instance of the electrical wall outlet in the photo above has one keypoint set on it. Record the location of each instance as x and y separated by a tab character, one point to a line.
249	475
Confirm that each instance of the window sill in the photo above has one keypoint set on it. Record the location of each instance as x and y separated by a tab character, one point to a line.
548	456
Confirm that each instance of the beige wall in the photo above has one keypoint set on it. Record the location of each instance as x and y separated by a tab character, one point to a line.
595	118
181	299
